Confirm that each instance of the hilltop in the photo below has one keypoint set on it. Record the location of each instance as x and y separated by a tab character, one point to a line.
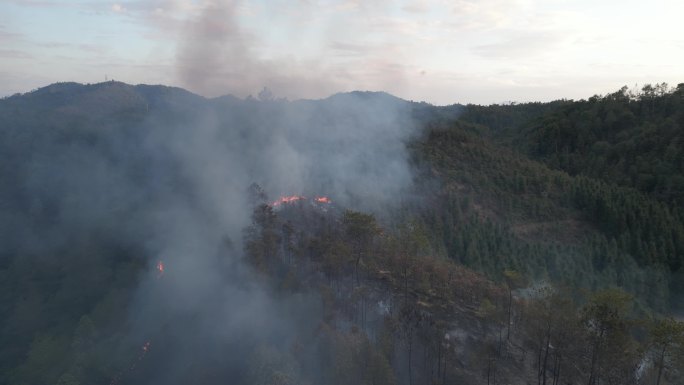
462	241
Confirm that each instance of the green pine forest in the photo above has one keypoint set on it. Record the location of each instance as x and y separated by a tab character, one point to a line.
540	243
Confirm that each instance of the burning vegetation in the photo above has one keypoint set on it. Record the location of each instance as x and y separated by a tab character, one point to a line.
290	199
395	303
287	200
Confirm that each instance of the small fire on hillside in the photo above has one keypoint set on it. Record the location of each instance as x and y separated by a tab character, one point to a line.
287	199
322	200
145	347
141	355
298	198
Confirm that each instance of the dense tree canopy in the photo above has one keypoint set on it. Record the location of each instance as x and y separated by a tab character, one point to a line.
539	243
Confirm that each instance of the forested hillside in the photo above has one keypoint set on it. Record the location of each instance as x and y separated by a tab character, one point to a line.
630	138
498	210
627	140
144	240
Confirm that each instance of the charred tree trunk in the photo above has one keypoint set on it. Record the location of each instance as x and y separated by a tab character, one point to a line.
546	358
356	268
439	359
539	362
405	287
594	359
661	365
510	307
491	369
557	370
410	351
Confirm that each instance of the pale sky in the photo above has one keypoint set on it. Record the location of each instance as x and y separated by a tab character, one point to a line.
442	52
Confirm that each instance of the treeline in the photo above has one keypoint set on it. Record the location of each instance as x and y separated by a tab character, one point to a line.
501	119
630	138
495	209
62	313
395	313
386	303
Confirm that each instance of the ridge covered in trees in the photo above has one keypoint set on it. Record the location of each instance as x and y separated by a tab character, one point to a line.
542	243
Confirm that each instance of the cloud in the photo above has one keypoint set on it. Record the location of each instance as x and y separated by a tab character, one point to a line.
416	7
524	46
351	49
311	49
488	14
118	8
7	36
217	54
14	54
41	3
92	48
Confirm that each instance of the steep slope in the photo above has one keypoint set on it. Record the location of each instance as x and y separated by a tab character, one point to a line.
629	139
498	210
125	214
102	182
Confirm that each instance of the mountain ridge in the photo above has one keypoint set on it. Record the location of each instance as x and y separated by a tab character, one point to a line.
484	243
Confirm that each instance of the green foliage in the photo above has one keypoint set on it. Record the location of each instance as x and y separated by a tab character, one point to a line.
668	332
45	360
606	310
498	210
68	379
514	279
501	119
587	194
667	344
486	309
360	227
270	365
613	352
263	237
632	140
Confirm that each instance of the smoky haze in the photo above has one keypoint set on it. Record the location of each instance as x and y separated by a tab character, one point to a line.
216	53
167	177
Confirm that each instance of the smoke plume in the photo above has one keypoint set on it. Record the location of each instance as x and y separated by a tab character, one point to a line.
169	182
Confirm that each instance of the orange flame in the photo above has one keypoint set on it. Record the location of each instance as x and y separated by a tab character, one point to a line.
160	268
322	200
287	199
145	349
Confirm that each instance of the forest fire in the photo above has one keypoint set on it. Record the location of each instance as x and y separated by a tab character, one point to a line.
143	352
322	200
146	346
296	198
287	199
145	349
160	268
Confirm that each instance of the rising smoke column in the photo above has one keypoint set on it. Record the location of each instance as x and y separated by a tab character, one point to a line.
349	148
216	55
160	175
220	52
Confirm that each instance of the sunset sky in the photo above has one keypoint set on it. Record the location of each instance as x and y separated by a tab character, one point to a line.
442	52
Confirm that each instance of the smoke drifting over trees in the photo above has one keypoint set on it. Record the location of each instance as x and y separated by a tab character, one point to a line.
215	50
215	53
154	236
164	175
